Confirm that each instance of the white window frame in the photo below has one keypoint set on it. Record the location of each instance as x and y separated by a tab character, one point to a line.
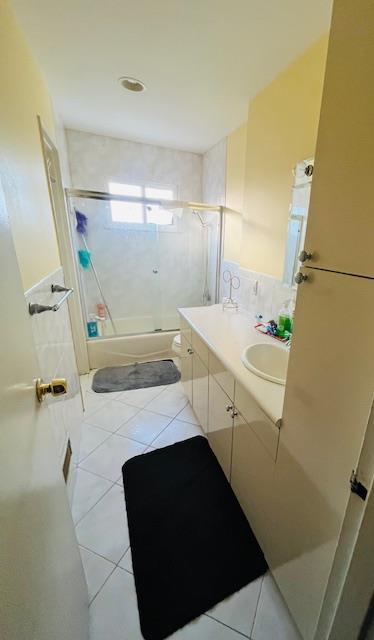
145	225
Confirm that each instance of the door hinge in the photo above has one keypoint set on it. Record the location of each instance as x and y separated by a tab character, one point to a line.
357	487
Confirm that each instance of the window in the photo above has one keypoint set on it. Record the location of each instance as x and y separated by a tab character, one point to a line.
140	213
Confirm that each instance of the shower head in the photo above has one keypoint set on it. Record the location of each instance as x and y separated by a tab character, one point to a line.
198	214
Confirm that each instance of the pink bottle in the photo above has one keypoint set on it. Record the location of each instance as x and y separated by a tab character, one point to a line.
101	310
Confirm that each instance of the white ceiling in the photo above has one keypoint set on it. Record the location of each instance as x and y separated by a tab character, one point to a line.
201	60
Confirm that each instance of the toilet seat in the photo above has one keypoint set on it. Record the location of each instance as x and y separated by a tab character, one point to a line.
177	344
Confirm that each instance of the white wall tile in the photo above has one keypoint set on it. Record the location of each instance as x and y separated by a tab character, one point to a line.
126	270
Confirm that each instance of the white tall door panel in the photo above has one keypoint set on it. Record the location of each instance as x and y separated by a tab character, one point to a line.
340	228
328	399
42	586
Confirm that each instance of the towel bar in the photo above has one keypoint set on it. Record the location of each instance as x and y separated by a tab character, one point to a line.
40	308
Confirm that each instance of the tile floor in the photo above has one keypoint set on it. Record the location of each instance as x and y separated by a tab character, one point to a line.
118	426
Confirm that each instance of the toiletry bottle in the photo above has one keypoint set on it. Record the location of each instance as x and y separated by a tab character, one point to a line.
92	329
284	321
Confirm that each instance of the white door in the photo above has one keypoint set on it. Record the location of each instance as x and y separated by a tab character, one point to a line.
42	585
328	400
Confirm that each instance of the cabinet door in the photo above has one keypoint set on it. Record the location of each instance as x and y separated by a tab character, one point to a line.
186	367
264	428
341	222
252	477
220	425
200	390
328	400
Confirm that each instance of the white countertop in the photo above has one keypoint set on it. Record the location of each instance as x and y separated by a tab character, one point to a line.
227	333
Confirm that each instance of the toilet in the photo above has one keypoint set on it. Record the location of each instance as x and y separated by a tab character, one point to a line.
177	345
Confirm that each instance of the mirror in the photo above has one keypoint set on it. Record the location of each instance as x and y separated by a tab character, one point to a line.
297	221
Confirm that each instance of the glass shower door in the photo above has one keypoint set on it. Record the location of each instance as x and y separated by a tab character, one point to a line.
118	263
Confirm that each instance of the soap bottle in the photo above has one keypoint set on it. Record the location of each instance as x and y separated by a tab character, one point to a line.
92	329
284	321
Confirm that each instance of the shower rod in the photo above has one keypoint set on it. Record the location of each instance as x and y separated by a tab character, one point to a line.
166	204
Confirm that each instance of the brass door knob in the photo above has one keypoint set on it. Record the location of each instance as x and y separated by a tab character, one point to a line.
57	387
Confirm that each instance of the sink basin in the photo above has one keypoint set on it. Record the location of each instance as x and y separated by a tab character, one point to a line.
268	361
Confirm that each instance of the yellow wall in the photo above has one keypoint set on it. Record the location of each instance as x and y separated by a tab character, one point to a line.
235	173
281	130
23	96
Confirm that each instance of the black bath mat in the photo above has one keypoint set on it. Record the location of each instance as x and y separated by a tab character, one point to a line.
135	376
191	543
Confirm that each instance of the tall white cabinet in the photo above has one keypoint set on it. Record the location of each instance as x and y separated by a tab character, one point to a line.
340	220
330	384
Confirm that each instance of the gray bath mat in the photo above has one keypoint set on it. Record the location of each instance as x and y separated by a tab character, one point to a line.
135	376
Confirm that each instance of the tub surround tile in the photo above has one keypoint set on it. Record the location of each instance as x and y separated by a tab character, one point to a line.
96	160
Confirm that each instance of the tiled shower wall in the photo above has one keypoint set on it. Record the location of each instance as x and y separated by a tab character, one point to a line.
55	352
214	192
125	266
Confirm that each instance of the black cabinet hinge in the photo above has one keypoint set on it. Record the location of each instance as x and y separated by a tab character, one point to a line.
357	487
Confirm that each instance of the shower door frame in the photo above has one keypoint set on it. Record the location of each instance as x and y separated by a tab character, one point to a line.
175	204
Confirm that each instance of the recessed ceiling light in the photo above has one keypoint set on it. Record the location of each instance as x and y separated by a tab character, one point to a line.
132	84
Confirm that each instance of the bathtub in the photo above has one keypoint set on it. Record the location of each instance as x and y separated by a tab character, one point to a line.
144	344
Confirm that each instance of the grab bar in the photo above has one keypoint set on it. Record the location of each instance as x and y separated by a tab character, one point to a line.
40	308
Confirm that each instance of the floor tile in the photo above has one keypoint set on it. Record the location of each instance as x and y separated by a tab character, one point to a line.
112	415
126	561
91	438
187	415
176	431
273	619
114	612
89	488
104	528
205	628
140	397
145	426
238	611
85	382
92	402
96	569
170	402
107	460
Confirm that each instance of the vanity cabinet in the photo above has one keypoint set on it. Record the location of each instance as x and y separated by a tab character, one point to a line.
220	425
252	476
186	366
200	390
266	431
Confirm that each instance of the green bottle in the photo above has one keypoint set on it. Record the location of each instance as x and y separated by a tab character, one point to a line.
284	322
